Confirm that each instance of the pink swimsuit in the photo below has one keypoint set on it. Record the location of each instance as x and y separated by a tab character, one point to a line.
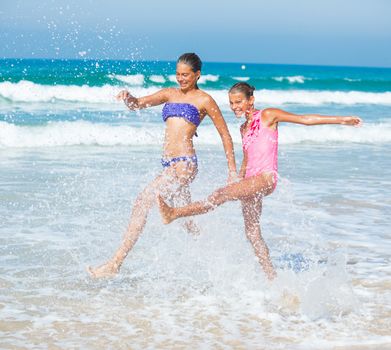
261	144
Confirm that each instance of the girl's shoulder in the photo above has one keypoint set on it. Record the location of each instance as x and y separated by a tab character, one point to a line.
205	100
204	95
167	93
170	91
268	116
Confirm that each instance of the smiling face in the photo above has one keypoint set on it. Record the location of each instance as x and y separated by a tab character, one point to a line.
186	78
240	104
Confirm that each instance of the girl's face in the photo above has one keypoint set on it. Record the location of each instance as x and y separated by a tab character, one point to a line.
240	104
186	78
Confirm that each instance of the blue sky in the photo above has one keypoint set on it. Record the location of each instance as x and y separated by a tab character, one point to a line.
333	32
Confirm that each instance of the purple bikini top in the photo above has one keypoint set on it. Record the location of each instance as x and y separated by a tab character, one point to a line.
181	110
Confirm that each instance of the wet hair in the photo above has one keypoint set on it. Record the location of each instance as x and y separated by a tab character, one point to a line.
246	89
192	60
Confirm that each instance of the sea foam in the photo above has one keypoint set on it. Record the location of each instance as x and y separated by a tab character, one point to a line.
71	133
135	79
292	79
26	91
241	78
208	77
159	79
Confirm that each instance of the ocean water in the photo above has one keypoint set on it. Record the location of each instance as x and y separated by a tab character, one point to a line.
73	160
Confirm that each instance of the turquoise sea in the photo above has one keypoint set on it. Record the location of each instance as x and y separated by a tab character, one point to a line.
73	159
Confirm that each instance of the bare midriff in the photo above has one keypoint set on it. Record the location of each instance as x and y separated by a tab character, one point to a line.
178	138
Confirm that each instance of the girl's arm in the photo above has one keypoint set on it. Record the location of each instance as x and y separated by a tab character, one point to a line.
242	171
134	103
273	116
214	113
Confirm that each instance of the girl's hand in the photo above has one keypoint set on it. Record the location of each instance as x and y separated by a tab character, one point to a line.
123	95
128	99
353	120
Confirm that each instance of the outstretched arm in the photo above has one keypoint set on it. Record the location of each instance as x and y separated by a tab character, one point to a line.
134	103
272	116
215	114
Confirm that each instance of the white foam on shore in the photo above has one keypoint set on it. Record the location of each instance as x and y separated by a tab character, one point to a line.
241	78
203	79
292	79
172	78
352	80
78	133
208	77
309	97
135	79
26	91
71	133
157	79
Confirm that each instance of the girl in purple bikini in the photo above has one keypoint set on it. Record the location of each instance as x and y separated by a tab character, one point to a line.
184	109
258	173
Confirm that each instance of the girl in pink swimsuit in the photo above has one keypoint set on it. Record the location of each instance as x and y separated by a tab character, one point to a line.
258	173
260	143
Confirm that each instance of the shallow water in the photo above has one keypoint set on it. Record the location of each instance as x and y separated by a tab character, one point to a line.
175	291
73	160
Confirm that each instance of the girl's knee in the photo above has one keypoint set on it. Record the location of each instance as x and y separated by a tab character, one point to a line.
146	197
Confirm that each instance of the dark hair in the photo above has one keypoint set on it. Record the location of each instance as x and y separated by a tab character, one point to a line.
192	60
246	89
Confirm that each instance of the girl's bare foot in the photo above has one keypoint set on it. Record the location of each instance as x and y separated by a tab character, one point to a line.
105	270
165	211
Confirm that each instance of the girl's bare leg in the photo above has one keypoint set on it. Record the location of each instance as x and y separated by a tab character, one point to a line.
250	191
261	184
140	211
184	198
144	202
252	209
